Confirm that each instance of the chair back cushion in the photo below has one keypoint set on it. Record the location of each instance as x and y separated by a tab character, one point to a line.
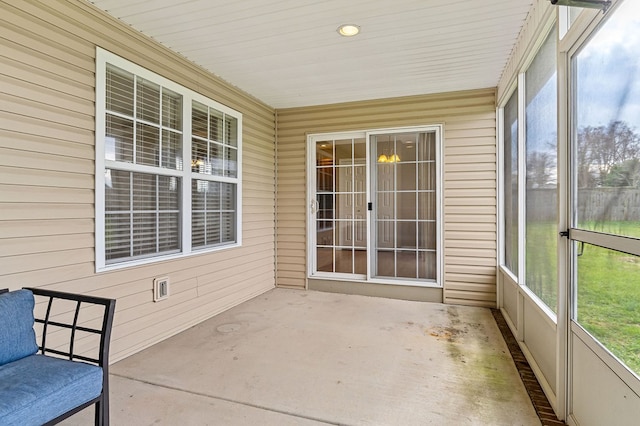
17	337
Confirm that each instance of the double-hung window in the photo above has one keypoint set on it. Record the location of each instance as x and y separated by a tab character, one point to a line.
168	178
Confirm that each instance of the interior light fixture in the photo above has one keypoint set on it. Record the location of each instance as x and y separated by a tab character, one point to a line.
588	4
393	158
348	30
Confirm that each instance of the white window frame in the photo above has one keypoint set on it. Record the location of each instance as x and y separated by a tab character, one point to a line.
103	58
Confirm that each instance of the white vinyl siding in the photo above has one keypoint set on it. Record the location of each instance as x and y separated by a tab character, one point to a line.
153	204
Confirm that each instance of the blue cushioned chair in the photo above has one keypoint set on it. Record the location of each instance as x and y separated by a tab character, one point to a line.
47	387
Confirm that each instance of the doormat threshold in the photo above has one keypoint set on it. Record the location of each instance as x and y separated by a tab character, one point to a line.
538	398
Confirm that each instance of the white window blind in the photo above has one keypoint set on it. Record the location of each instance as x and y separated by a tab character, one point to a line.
148	204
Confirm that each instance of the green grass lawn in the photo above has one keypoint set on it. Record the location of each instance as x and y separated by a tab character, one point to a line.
609	301
608	286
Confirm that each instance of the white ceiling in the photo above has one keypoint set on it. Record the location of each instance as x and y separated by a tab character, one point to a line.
288	53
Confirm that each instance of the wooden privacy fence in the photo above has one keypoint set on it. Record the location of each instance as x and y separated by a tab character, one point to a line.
594	204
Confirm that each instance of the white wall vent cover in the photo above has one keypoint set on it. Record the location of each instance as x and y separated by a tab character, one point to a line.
160	289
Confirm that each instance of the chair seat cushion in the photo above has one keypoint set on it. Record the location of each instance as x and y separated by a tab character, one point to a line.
38	388
17	338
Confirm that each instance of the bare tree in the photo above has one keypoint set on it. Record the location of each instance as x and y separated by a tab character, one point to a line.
540	169
603	147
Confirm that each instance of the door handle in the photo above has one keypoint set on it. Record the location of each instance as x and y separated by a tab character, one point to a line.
314	205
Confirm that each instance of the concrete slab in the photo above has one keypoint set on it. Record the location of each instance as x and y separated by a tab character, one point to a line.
312	357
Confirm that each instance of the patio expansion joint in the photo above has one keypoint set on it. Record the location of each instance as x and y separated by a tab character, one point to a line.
232	401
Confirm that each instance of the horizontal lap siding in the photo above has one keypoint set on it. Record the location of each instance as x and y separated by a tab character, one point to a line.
47	123
469	181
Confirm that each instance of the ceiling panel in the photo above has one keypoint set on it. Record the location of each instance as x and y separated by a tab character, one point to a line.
288	53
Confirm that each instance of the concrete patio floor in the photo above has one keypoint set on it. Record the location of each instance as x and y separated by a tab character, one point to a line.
293	357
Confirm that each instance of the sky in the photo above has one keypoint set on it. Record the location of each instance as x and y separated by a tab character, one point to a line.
608	71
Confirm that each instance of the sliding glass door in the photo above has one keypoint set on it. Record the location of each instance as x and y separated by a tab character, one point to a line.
374	209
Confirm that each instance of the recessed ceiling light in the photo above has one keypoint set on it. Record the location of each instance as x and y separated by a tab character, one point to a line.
348	30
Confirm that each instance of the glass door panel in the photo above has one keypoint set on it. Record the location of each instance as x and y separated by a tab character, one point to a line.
341	206
606	186
405	213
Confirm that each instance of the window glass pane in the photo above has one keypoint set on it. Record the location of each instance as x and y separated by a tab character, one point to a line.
227	223
118	236
510	174
147	145
406	145
144	189
198	228
213	195
608	126
231	135
609	300
118	142
405	176
199	120
215	159
144	233
344	206
324	153
427	205
324	232
214	228
148	101
385	148
171	150
168	231
230	161
427	147
119	88
386	263
215	125
141	214
407	205
427	235
541	176
199	156
344	152
213	213
324	259
171	109
427	265
406	264
406	237
117	191
227	196
168	193
427	175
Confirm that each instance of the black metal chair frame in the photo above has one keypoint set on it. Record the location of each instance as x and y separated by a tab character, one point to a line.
101	402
